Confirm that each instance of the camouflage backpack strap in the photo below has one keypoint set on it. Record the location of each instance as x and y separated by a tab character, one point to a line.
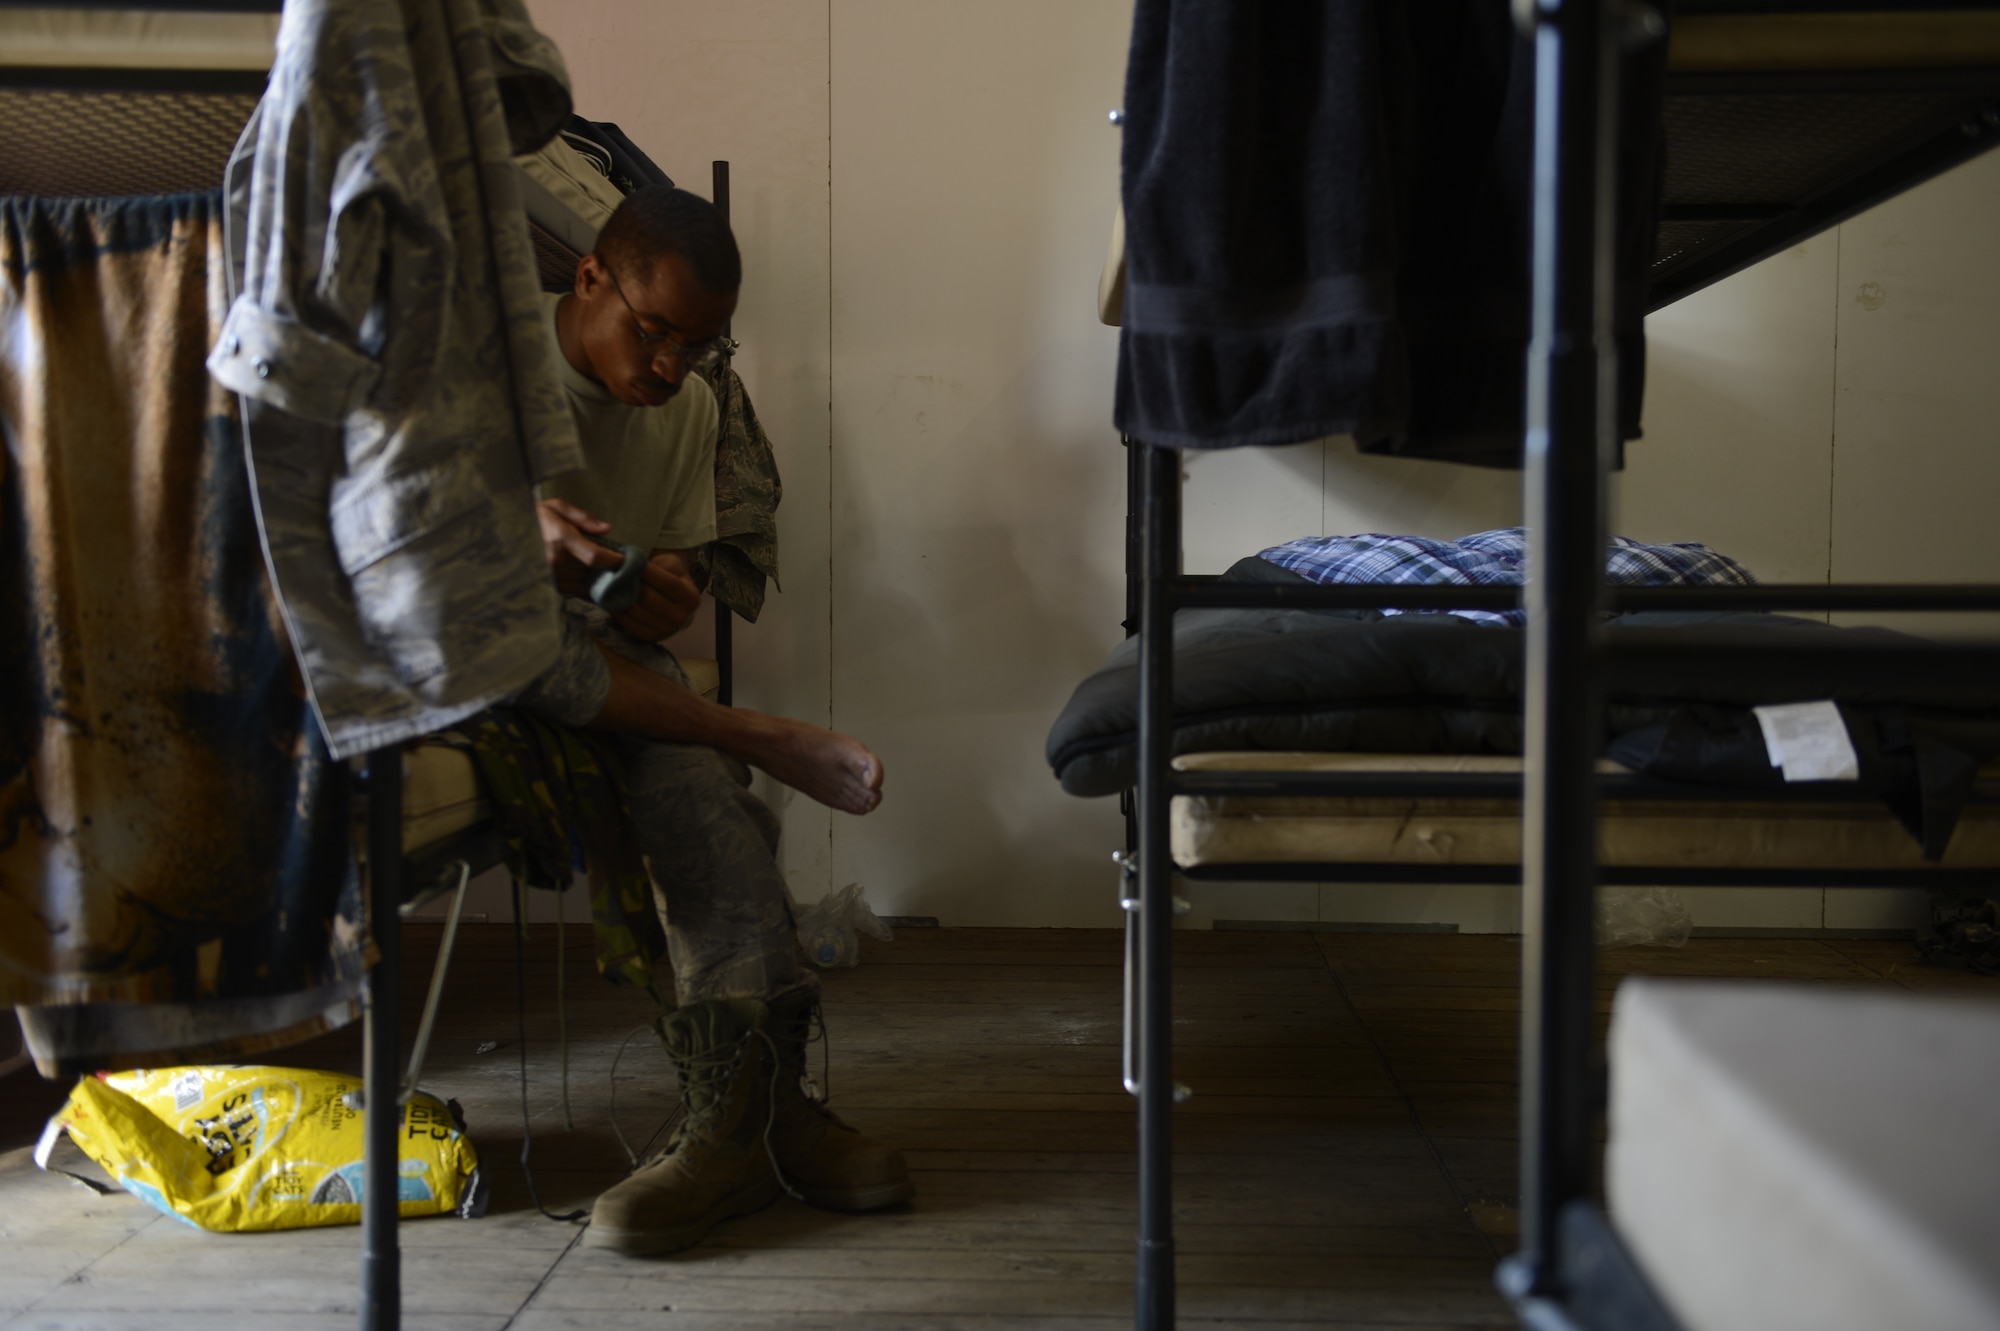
561	798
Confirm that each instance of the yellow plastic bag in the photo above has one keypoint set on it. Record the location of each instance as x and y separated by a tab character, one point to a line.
244	1148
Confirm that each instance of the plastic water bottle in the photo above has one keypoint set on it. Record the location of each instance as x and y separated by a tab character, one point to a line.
829	927
831	945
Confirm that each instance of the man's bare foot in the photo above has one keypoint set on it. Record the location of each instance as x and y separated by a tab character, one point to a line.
837	770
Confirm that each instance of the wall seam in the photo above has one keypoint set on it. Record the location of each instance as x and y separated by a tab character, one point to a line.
1833	401
832	823
1833	441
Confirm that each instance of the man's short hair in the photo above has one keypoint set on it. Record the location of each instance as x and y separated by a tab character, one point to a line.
659	220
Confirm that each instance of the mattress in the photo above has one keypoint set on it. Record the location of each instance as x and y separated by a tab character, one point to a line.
1723	833
1807	1156
441	792
1923	39
77	37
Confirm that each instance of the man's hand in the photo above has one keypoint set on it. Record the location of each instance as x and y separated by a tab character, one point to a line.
668	598
574	559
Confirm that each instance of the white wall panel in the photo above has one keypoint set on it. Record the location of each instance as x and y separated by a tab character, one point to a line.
1241	500
1916	464
1739	419
977	481
1406	496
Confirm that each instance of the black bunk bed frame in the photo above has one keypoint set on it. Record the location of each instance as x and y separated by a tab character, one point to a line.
394	883
1572	1270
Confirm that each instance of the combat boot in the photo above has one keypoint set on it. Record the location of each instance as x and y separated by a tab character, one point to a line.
823	1160
717	1164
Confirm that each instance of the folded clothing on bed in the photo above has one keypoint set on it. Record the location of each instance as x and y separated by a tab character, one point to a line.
1492	559
1362	681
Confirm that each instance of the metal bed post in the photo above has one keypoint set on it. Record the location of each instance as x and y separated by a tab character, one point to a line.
725	616
1128	802
1571	426
1135	550
381	1039
1152	911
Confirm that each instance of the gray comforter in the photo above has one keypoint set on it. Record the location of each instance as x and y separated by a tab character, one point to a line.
1357	681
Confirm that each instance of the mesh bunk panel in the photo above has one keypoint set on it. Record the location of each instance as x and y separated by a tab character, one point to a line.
67	144
1782	148
555	262
1800	151
1680	241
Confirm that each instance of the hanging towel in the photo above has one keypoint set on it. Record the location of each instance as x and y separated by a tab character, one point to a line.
1327	227
173	831
1462	149
1259	227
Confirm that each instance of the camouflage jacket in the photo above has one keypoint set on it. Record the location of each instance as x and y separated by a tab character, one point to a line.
398	378
747	492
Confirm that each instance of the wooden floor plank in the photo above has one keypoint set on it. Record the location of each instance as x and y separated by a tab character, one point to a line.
1348	1160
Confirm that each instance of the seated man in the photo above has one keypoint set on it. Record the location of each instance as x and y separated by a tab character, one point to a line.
648	309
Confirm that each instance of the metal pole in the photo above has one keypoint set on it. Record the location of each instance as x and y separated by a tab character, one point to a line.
1160	516
1572	378
1135	467
381	1262
1128	805
718	174
725	638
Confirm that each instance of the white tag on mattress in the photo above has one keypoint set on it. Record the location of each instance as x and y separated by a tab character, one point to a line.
1809	741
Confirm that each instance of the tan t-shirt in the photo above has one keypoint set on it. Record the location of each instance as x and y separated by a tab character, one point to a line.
648	471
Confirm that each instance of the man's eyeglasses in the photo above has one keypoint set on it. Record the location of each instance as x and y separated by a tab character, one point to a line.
699	357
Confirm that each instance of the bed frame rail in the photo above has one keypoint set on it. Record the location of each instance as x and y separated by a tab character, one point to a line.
1572	1271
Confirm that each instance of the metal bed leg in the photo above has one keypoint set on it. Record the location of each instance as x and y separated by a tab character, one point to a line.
1572	377
439	970
725	655
1160	514
381	1261
719	174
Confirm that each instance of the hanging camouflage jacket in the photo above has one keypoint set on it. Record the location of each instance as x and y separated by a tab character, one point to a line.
747	492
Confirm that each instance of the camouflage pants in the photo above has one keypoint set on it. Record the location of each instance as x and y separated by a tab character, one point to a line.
710	845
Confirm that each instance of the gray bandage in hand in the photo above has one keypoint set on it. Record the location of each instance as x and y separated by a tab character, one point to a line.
617	589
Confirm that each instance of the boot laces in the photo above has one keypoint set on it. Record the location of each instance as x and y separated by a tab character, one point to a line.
705	1076
808	1029
771	1116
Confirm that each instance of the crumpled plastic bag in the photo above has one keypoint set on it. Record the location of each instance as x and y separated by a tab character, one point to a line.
1642	917
258	1148
827	928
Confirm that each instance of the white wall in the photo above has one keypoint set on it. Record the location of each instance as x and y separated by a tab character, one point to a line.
922	192
974	174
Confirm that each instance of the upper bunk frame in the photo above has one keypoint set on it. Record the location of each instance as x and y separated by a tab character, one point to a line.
1716	218
1572	1271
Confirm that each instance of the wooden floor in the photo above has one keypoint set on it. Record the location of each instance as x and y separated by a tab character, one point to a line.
1347	1159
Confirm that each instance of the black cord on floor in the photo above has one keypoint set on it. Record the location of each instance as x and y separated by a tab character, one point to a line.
521	1038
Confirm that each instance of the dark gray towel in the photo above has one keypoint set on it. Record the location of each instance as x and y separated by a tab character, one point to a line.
1259	231
1326	212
